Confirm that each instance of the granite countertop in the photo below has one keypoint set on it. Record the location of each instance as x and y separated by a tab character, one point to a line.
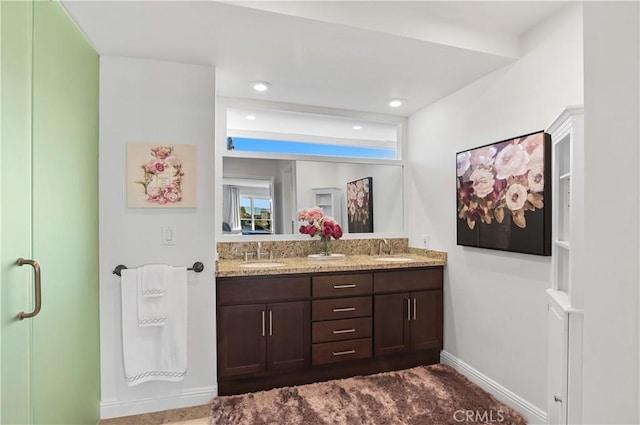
419	257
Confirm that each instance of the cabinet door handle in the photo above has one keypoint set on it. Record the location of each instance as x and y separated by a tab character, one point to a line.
270	322
557	399
263	333
415	308
341	310
351	285
38	296
408	309
343	331
343	353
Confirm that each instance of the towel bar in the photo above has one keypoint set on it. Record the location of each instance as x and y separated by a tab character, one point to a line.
197	267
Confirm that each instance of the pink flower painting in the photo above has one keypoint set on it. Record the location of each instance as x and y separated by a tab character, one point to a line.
162	176
503	184
360	205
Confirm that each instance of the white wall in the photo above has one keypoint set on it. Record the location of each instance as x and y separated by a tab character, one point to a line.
386	194
495	305
610	269
152	101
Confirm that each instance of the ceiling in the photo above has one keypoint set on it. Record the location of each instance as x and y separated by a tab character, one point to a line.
351	55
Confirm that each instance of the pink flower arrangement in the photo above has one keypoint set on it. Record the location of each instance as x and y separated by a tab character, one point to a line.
318	224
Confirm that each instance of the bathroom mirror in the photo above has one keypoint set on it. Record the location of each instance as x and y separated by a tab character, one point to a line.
280	187
305	156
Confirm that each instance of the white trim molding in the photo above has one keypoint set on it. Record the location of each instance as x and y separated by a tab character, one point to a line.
533	414
193	397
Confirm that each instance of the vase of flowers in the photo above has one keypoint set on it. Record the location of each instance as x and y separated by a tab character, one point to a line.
318	224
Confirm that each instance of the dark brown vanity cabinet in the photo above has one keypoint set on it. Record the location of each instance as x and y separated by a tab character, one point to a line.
294	329
255	338
408	311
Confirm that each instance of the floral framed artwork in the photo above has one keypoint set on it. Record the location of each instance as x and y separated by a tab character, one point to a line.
161	175
360	205
504	195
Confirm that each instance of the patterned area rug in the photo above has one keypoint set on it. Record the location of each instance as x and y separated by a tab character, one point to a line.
423	395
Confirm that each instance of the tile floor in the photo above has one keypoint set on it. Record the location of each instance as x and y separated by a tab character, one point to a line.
197	415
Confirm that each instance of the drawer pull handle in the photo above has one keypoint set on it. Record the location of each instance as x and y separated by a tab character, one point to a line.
343	353
341	310
343	331
352	285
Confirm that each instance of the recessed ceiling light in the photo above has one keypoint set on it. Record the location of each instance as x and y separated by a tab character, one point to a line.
394	103
260	85
250	117
357	127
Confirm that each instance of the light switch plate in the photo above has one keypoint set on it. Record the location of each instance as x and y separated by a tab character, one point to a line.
169	236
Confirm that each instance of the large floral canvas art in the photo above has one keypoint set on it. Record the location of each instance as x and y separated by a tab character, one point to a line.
360	205
504	195
161	175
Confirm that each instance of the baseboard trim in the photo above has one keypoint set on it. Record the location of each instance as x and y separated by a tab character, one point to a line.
533	414
193	397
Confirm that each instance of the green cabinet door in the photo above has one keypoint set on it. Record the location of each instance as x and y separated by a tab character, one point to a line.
15	211
50	363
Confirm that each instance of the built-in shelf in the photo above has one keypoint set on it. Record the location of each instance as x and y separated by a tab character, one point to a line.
564	314
330	200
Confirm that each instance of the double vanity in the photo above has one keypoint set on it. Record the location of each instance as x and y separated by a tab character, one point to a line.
292	320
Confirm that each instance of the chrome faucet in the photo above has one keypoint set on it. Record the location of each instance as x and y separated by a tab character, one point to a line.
257	254
380	247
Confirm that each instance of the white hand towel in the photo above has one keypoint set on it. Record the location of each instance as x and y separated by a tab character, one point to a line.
154	279
155	352
152	305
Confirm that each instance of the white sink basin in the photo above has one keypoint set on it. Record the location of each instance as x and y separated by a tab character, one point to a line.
264	265
395	259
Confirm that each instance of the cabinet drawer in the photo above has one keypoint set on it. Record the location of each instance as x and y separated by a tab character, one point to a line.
407	280
332	352
342	285
341	308
338	330
252	290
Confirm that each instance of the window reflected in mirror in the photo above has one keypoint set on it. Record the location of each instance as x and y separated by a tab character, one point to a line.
247	206
255	215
